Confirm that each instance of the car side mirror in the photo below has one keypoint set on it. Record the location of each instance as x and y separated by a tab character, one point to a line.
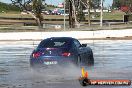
84	45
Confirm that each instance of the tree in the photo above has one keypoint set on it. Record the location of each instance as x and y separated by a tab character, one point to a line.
125	9
71	6
76	7
92	4
32	7
123	5
116	4
80	14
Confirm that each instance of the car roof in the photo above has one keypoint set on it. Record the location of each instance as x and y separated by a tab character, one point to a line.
65	38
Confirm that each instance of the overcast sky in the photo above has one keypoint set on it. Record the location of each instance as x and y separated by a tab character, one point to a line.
56	2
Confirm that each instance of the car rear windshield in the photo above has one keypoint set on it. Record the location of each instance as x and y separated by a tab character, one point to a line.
54	43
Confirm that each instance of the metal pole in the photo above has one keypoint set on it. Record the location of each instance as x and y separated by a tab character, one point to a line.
88	5
64	16
101	14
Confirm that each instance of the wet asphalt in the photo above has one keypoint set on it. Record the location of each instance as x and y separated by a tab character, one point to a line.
113	60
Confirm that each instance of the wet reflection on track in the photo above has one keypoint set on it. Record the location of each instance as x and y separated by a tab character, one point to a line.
113	60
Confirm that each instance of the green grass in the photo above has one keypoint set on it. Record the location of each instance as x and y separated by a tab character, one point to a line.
110	16
14	15
114	16
8	7
18	15
106	16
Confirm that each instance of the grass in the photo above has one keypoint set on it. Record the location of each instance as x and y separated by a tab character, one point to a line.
14	15
18	15
106	16
111	16
8	7
114	16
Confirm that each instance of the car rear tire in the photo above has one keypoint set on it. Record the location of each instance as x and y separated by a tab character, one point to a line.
90	59
79	61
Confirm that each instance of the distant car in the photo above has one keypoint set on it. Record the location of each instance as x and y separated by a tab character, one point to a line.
61	51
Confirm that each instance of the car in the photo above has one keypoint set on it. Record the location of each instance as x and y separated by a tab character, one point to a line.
61	51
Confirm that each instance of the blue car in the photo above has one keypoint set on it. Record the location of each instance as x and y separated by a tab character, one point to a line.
61	51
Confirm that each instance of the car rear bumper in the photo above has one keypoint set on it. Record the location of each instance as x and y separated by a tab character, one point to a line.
51	61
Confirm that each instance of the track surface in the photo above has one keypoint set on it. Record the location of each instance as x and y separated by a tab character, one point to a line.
113	60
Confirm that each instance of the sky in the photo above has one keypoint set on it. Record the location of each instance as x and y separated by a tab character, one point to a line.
56	2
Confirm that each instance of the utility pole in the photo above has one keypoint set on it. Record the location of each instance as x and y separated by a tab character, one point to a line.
101	14
64	15
88	5
71	20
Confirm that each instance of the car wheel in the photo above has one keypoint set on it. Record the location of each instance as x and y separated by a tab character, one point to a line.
90	59
79	61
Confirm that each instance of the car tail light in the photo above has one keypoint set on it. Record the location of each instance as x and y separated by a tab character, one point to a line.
36	54
66	54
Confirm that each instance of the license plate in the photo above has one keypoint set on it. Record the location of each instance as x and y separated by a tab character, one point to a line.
50	62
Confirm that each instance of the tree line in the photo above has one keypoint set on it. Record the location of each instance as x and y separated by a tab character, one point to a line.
75	8
124	5
8	7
